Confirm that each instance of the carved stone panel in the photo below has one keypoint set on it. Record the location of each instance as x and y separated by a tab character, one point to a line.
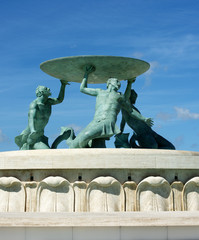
154	194
55	194
105	194
191	195
12	195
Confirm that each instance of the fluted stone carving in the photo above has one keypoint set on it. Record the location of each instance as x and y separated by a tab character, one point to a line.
80	196
130	196
191	195
31	188
154	194
12	195
55	194
177	188
105	194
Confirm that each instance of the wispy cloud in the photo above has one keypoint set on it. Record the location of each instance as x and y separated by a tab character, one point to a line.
153	65
137	55
76	128
195	146
3	137
185	114
179	141
179	114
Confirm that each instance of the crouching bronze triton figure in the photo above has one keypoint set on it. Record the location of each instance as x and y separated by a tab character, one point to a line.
38	116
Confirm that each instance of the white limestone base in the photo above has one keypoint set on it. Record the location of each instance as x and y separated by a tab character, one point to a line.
87	226
127	173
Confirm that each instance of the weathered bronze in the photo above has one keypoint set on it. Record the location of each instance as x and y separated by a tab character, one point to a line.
143	133
108	104
38	116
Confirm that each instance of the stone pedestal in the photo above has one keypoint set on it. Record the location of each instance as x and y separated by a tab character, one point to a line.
99	194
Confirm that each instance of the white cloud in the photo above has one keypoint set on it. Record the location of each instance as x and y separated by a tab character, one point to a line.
153	66
195	146
179	141
2	137
185	114
75	127
138	55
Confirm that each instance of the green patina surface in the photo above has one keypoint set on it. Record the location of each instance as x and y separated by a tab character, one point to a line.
109	102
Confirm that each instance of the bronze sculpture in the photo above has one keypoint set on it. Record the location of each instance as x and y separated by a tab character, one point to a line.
38	116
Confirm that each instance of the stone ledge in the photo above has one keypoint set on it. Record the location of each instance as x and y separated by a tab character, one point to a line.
99	159
133	219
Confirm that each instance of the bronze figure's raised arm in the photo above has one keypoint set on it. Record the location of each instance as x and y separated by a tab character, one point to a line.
103	126
38	116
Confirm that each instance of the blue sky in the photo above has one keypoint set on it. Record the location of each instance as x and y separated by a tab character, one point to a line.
162	32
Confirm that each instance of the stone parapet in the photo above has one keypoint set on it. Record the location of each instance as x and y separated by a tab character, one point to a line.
130	219
99	158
